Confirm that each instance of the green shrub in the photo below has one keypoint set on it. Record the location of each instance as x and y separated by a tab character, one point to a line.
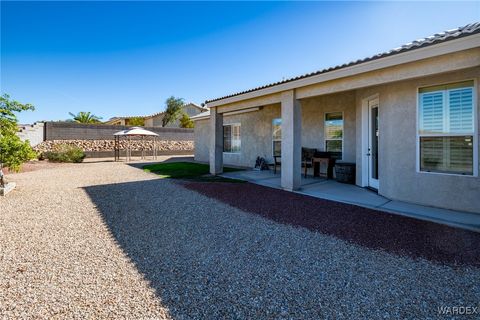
65	153
14	152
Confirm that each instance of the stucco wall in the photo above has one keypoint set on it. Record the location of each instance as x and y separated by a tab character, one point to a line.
34	134
202	140
256	135
156	121
188	109
191	110
256	129
397	138
399	179
313	115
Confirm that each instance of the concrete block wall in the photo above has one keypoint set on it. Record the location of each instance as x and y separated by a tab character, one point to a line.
78	131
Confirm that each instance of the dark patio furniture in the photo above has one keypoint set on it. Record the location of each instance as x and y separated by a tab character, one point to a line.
323	164
345	172
307	157
312	158
276	161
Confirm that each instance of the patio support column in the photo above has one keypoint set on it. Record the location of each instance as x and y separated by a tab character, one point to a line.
216	142
291	170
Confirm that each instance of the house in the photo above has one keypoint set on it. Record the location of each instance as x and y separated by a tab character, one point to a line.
155	120
408	118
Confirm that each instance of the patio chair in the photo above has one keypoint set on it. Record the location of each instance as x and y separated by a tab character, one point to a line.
276	161
307	157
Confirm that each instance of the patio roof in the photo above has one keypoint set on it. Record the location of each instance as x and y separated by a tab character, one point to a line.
201	116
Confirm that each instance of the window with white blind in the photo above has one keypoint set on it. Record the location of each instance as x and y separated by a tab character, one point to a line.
334	133
277	137
231	138
446	129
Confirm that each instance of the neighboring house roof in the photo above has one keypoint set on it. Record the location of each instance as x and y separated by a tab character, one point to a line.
448	35
190	104
201	116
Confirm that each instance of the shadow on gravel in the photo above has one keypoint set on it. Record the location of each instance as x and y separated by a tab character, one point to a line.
366	227
207	261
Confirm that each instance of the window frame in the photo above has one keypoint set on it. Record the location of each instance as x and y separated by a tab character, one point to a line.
325	132
238	124
276	140
474	134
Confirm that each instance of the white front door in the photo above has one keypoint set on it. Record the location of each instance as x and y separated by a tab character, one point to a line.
372	146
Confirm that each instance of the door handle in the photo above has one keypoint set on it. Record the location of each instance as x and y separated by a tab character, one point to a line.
368	154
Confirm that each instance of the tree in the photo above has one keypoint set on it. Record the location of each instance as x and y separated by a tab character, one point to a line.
186	122
13	151
85	117
136	121
173	110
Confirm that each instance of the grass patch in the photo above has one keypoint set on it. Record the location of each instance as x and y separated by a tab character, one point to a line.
188	170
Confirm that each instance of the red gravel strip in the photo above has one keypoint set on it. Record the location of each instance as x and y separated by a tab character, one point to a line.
366	227
33	166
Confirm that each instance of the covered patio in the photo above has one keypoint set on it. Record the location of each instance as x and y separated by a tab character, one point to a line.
316	187
328	123
384	106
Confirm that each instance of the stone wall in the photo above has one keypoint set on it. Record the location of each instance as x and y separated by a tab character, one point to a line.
108	145
96	140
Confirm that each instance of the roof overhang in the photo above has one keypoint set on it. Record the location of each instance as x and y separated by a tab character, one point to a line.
443	48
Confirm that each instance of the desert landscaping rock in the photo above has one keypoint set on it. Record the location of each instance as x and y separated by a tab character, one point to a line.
108	145
367	227
107	240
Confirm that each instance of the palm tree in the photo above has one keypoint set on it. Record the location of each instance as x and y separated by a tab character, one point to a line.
85	117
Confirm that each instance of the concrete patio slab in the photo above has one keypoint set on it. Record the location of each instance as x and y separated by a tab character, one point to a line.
332	190
267	178
465	220
316	187
347	193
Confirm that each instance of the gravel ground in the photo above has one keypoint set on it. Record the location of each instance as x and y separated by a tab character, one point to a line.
366	227
35	165
106	240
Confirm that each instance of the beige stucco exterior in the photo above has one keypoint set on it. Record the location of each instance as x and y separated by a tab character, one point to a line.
155	120
399	178
256	129
396	87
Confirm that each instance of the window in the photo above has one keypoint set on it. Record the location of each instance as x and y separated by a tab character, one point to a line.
231	138
277	137
446	128
334	133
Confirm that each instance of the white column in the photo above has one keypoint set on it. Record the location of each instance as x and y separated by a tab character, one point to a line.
291	170
216	142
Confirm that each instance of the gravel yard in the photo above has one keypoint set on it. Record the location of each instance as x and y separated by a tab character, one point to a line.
107	240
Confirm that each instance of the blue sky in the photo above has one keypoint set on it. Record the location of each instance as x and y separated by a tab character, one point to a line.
126	58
